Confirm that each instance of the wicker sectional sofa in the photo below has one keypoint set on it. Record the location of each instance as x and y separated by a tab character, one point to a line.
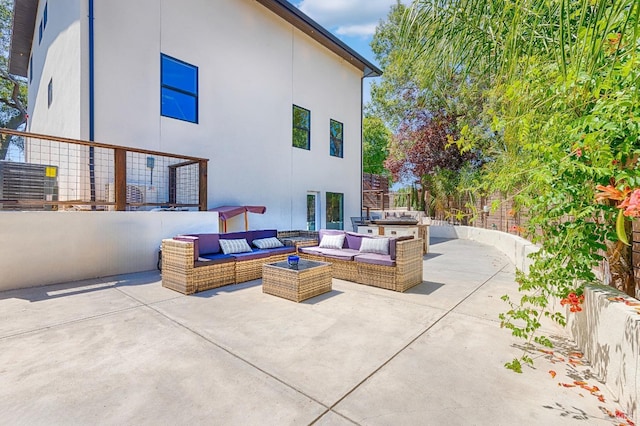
398	269
195	262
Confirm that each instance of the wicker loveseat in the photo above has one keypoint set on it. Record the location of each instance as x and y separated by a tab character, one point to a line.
196	262
398	269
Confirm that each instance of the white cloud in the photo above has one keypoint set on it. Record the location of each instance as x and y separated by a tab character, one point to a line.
347	17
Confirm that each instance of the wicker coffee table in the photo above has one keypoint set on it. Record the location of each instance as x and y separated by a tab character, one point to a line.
309	279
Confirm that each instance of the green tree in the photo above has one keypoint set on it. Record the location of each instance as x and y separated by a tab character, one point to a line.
13	89
559	116
375	145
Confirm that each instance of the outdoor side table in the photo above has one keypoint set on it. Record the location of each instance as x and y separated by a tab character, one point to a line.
299	283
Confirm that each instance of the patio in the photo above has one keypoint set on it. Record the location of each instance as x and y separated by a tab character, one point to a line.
124	350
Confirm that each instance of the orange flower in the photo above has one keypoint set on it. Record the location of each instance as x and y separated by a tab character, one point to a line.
553	373
610	192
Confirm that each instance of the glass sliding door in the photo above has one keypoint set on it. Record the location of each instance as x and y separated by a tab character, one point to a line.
313	212
335	210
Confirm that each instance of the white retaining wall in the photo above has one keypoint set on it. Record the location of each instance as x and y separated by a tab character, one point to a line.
607	331
40	248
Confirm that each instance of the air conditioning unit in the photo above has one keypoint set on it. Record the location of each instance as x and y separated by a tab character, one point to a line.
28	182
135	194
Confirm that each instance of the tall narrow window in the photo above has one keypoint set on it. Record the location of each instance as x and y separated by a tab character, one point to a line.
50	92
179	89
335	138
40	29
312	212
30	69
335	210
301	127
44	16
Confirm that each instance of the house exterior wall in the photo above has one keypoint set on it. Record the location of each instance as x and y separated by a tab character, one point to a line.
60	58
253	66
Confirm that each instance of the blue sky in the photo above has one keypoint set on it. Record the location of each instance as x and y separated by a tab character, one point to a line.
352	21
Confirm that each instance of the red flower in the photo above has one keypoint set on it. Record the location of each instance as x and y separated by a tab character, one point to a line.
574	301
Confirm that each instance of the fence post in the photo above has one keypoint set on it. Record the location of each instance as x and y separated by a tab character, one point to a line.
202	185
120	178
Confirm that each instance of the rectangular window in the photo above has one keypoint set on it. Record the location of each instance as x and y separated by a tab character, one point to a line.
335	138
44	16
312	209
30	69
301	128
335	210
50	92
179	89
40	33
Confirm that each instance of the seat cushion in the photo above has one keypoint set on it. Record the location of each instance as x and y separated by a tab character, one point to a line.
262	254
375	259
213	259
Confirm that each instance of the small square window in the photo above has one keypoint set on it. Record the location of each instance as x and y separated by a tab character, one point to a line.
301	128
335	138
179	89
50	92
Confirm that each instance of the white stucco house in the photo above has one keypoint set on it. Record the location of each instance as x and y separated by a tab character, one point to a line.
271	98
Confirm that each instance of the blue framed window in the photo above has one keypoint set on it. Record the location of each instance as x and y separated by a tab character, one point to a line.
179	89
44	16
336	131
301	127
40	33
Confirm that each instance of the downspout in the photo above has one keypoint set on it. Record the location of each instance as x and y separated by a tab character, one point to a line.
361	143
92	171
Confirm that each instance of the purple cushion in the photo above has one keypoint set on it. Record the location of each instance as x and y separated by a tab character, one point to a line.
343	254
354	240
237	236
261	254
212	259
209	243
324	232
375	259
265	233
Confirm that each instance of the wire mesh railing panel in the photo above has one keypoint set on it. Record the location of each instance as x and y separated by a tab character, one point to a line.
65	174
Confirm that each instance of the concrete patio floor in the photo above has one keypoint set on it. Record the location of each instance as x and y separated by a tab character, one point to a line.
125	350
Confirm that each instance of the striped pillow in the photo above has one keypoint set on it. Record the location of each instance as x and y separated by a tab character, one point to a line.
267	243
234	246
375	245
332	241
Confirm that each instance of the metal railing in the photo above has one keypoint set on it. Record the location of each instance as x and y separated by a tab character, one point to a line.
57	173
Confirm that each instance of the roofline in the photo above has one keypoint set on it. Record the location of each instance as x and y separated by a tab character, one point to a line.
22	28
298	19
24	21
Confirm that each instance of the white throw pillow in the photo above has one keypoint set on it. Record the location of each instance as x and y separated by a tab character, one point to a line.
332	241
375	245
267	243
234	246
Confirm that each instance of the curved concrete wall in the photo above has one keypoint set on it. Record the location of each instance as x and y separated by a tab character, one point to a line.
607	330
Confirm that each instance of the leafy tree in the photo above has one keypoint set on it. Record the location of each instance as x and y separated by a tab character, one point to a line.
375	145
559	117
13	90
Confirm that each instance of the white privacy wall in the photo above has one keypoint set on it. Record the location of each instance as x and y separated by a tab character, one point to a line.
253	66
68	246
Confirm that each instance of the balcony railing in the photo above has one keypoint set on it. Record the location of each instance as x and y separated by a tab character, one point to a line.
67	174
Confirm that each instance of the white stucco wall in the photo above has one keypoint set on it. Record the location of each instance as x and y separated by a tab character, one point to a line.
69	246
253	67
58	58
